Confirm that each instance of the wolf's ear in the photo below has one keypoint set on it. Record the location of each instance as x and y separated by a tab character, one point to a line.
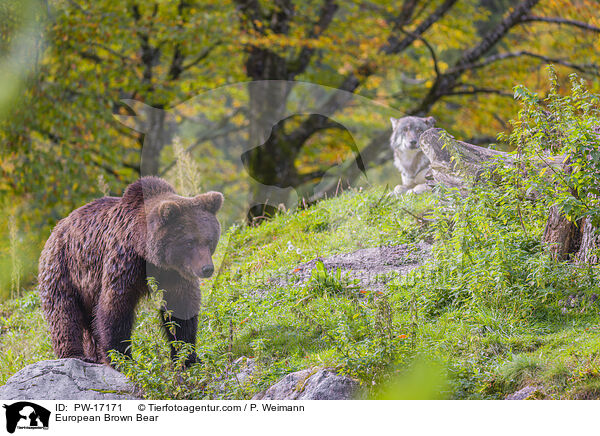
430	121
394	122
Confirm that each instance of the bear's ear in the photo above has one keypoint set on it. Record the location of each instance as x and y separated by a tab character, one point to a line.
167	210
430	121
210	202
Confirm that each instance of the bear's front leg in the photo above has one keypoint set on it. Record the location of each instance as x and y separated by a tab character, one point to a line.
178	329
114	316
112	325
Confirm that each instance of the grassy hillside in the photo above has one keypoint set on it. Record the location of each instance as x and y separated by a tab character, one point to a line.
489	313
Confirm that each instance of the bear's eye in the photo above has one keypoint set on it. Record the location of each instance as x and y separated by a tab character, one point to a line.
189	244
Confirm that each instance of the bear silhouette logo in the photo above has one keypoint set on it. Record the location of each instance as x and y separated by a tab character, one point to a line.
26	415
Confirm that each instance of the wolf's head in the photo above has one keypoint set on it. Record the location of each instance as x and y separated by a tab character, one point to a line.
406	132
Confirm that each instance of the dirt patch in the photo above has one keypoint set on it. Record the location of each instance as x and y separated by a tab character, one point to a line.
372	267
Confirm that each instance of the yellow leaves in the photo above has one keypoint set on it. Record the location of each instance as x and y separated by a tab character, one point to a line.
364	46
345	68
8	166
374	82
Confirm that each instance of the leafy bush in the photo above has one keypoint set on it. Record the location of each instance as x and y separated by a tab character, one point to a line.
561	125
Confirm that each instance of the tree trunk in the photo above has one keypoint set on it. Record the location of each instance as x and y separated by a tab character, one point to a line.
589	243
270	159
157	134
562	236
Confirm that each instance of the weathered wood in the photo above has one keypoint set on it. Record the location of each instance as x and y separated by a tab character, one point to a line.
456	163
590	241
561	235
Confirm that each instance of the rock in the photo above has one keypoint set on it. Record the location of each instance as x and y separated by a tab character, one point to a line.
67	379
236	381
246	367
309	384
523	394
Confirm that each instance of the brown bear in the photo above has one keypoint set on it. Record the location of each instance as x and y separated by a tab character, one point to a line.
94	267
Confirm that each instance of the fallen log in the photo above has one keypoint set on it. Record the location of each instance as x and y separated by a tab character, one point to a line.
456	163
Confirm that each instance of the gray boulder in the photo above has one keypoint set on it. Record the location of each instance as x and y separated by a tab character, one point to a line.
309	384
523	394
67	379
246	367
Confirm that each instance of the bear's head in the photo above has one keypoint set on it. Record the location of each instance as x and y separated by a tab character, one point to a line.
183	233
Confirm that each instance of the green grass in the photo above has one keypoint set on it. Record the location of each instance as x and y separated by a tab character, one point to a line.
24	336
486	317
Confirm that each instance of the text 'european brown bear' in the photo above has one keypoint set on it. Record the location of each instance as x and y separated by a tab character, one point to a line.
94	267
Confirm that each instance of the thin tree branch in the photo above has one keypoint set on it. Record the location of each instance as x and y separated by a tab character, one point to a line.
122	57
492	38
106	168
408	9
446	82
251	12
313	124
476	90
201	56
58	140
91	56
299	64
307	177
219	132
431	51
395	46
584	68
149	53
78	6
560	20
176	67
354	79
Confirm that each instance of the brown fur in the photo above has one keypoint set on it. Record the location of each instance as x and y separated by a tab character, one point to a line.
93	268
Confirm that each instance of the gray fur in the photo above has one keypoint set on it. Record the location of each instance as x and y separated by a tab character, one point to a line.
408	157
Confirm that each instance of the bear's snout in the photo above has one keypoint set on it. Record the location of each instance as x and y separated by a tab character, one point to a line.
207	271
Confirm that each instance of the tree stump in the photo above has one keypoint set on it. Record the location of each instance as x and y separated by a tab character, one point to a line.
588	250
562	236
